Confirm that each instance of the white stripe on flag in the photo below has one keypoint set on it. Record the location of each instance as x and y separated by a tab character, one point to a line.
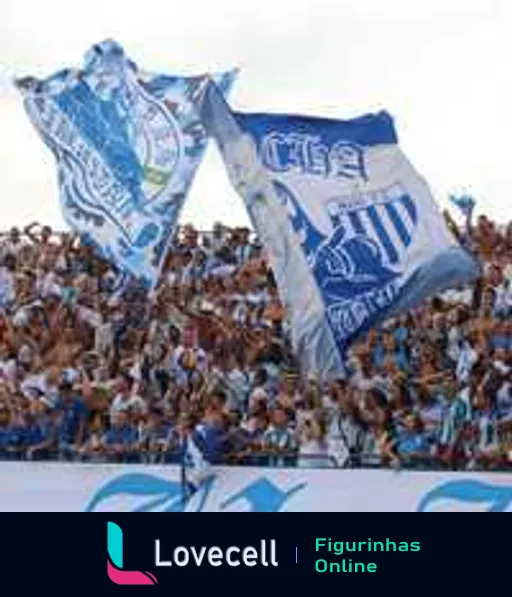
391	229
372	233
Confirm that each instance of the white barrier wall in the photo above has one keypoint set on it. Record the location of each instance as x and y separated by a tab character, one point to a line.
62	487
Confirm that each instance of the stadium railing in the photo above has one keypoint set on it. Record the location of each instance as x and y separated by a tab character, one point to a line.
263	459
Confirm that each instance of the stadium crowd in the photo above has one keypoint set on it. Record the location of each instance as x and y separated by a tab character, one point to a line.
89	371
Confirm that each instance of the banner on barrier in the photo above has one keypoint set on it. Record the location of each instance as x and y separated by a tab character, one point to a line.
128	488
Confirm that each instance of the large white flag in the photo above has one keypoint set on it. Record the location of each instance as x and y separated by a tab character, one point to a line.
127	144
352	231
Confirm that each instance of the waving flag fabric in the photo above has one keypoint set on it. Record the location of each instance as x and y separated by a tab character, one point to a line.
465	203
352	231
127	145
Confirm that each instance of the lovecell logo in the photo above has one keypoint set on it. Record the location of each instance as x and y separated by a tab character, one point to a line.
115	561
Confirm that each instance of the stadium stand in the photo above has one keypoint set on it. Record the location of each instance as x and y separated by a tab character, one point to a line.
94	368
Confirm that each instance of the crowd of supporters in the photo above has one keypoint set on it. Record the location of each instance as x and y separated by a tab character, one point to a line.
91	369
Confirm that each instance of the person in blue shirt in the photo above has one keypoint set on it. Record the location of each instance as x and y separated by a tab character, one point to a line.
401	332
237	437
120	441
396	346
6	433
254	427
487	449
210	435
379	354
279	439
413	446
501	340
243	248
93	448
41	436
430	406
457	415
73	420
15	435
160	439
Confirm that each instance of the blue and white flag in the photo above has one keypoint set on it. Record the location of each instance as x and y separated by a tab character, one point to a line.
465	204
193	460
127	145
352	231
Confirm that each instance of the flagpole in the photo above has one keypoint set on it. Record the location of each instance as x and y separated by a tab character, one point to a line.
183	470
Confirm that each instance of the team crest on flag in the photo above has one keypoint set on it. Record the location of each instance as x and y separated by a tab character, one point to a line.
357	265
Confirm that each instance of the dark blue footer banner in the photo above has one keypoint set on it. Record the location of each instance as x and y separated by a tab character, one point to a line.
231	554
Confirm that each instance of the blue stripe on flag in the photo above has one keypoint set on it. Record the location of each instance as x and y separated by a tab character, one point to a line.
395	218
410	207
355	220
382	234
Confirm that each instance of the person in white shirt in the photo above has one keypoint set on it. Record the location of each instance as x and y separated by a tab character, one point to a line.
363	377
313	446
104	339
188	358
125	398
454	342
48	284
7	281
459	295
13	245
7	364
42	383
503	299
467	358
238	384
218	237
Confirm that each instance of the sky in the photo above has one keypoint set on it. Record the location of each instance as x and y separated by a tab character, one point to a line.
440	67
